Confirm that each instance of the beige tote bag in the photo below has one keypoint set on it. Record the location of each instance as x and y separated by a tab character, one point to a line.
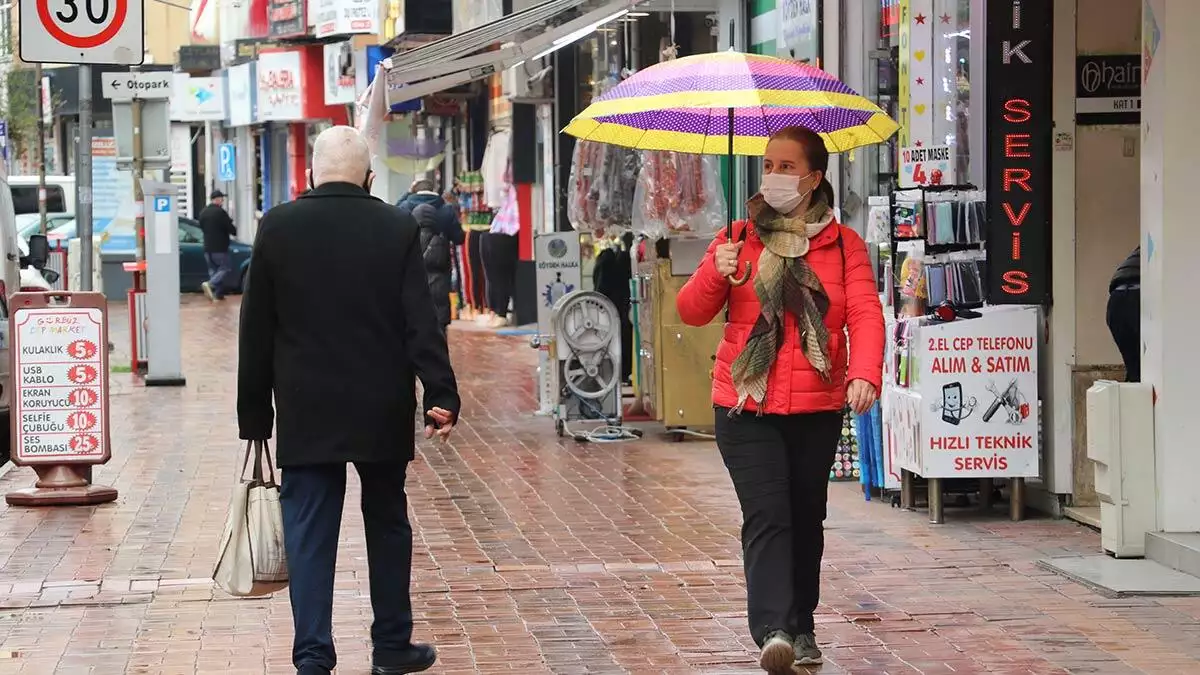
251	560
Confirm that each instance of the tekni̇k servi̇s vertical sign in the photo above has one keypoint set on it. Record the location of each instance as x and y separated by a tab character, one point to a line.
82	31
1020	128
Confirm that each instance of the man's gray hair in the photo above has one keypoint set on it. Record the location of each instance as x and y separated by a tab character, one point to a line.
423	185
340	155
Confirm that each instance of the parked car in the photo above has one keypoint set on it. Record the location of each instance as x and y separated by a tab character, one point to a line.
60	194
193	270
30	223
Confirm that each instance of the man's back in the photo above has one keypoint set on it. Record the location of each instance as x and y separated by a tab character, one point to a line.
217	227
338	320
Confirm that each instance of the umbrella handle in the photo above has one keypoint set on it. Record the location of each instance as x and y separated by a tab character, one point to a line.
735	280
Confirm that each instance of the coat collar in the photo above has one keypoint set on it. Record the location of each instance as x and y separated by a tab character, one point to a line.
337	190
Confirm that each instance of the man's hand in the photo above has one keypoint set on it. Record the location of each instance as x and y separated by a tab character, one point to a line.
445	424
861	395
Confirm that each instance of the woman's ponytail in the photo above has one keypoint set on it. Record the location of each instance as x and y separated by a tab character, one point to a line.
825	191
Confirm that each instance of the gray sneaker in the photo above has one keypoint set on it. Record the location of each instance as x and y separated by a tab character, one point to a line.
778	653
806	650
208	290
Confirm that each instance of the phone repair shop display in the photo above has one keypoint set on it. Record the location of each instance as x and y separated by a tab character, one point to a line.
973	377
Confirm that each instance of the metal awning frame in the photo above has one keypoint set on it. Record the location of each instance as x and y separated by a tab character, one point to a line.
419	78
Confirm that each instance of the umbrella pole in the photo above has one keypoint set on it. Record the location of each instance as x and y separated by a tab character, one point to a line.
729	194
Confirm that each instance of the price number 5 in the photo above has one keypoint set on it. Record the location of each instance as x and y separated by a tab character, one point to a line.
96	11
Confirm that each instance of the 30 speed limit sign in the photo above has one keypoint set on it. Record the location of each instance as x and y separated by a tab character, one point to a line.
82	31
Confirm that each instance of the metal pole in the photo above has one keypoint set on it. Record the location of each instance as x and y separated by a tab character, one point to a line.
83	180
40	156
139	197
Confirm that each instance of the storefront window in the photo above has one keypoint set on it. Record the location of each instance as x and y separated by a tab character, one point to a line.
920	73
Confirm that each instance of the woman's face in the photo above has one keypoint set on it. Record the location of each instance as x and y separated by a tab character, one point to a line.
785	156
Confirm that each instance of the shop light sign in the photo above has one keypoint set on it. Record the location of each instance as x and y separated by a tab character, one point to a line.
1020	130
279	86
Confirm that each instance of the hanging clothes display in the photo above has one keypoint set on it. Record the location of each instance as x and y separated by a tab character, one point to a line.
495	162
678	194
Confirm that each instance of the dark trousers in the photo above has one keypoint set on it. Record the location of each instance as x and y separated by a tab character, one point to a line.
477	291
1124	318
627	355
501	265
220	266
312	498
780	470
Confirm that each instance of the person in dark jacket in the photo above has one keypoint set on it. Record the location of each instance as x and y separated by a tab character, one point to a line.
1124	315
611	277
435	251
423	192
218	230
342	368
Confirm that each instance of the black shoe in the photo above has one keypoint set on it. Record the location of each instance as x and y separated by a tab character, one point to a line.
308	669
415	659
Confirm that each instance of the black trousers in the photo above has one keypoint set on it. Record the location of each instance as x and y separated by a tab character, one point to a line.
501	265
312	498
1124	318
478	288
780	470
627	355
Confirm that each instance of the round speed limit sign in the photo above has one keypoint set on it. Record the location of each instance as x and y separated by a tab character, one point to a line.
82	31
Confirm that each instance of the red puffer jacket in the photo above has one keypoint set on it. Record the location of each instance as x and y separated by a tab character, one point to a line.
793	386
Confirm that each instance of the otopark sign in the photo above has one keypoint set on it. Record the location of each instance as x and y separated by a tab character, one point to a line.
101	32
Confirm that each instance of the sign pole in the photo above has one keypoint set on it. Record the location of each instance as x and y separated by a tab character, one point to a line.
83	180
139	196
41	147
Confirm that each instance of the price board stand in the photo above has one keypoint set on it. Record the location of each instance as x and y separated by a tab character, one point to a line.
60	415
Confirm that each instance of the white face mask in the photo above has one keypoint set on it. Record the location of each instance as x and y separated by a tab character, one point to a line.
782	192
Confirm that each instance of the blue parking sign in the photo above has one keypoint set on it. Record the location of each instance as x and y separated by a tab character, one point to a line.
226	166
162	204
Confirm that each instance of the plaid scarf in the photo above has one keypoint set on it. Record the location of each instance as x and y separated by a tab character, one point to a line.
785	282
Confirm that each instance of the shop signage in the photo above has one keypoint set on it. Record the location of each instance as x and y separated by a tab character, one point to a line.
979	378
1108	89
346	17
558	270
240	85
340	76
287	18
197	99
278	87
799	30
1020	145
198	58
925	165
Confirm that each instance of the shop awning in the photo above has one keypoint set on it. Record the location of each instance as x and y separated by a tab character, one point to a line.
455	60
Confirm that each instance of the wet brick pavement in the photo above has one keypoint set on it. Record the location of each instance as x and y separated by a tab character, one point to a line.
535	556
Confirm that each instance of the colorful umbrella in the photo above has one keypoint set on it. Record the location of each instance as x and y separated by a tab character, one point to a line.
730	103
687	105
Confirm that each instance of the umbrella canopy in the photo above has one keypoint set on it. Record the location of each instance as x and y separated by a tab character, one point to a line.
685	106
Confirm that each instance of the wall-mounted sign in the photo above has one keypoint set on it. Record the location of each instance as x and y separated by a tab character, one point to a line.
799	36
340	84
197	99
1020	145
925	165
205	58
1108	89
287	18
346	17
239	83
278	87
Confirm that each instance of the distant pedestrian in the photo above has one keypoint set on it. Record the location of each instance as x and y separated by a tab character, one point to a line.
448	223
1124	314
218	230
435	251
341	361
784	372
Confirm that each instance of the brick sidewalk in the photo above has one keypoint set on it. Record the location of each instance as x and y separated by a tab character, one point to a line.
535	556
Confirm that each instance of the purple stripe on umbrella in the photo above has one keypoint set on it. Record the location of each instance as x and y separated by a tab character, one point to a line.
708	81
716	122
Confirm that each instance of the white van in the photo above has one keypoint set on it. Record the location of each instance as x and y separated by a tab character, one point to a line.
13	278
60	194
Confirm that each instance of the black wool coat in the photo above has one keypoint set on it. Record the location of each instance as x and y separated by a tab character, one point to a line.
337	323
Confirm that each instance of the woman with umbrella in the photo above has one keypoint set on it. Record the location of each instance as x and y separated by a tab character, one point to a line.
793	282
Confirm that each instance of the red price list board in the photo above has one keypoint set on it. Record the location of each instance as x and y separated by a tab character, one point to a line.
60	368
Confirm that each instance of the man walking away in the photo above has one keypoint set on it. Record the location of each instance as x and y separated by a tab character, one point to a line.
1124	316
435	252
218	229
342	367
448	223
